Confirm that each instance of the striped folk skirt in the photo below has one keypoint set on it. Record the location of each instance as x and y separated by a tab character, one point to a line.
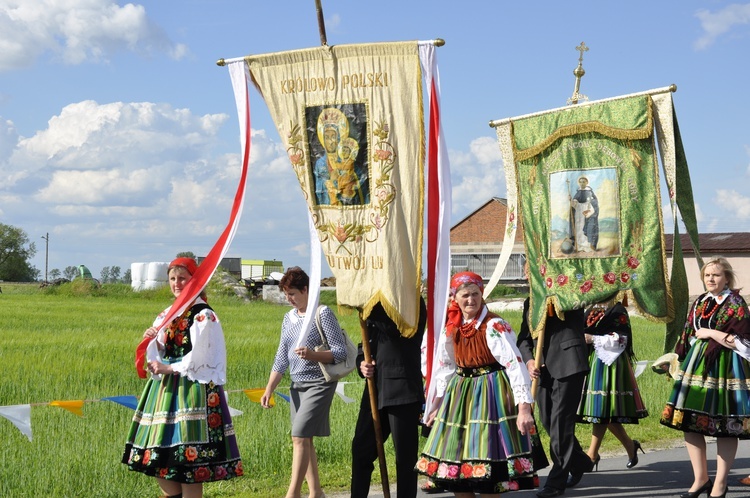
474	444
714	401
611	393
182	431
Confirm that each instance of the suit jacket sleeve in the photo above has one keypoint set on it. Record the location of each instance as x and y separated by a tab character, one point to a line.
524	342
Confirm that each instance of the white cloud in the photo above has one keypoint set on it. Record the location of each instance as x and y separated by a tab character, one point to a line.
8	139
96	187
733	202
700	218
718	23
333	22
134	136
130	162
486	150
301	249
77	31
476	176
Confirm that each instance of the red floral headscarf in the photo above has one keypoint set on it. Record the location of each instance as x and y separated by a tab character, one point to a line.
466	277
455	317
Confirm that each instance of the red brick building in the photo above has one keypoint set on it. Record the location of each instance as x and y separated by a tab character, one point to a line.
476	242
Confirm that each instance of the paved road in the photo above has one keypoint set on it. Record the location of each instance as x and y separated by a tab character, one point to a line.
659	474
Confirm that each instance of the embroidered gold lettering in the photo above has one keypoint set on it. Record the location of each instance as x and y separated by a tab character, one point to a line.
365	80
314	84
355	263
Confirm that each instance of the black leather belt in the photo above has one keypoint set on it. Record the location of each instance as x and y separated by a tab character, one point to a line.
477	371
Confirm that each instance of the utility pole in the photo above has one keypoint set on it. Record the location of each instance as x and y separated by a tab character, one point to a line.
46	256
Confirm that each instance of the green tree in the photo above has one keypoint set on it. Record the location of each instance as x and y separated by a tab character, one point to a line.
114	274
15	253
54	274
105	275
70	272
187	254
128	277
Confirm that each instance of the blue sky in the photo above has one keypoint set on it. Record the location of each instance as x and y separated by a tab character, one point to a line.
119	135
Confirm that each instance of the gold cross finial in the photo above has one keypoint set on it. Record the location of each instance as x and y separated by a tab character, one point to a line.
582	48
578	73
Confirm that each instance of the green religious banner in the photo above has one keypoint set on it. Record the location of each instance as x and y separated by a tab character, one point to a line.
589	197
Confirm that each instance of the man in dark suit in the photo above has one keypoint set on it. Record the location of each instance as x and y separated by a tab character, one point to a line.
562	372
396	368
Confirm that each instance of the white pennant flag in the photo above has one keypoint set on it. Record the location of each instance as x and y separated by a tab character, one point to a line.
233	412
340	392
20	416
640	367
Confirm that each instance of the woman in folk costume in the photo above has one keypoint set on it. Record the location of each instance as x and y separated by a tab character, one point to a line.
480	441
611	396
182	432
710	393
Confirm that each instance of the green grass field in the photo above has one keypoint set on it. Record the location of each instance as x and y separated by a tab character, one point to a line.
76	343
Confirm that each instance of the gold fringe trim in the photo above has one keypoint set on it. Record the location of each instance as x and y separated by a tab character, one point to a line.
407	330
586	127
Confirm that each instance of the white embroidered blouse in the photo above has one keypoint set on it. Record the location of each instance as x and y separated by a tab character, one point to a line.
502	343
206	361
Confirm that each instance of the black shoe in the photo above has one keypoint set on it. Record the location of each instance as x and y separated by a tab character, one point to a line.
576	475
634	461
549	492
706	488
574	479
723	495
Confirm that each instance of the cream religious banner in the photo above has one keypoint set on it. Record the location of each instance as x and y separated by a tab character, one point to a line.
351	118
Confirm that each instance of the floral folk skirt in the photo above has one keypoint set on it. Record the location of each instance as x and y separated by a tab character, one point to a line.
474	444
182	431
711	402
611	393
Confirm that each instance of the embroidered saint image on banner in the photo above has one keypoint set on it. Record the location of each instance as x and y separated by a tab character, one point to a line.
584	214
337	140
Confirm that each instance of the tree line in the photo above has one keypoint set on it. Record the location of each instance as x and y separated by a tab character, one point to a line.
16	251
108	275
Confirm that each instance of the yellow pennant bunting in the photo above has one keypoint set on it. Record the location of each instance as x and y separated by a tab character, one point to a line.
75	406
256	393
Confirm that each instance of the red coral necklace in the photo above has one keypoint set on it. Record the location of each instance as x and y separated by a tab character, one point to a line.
468	330
708	311
705	313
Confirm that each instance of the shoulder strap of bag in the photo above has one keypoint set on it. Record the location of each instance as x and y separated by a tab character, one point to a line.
320	326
